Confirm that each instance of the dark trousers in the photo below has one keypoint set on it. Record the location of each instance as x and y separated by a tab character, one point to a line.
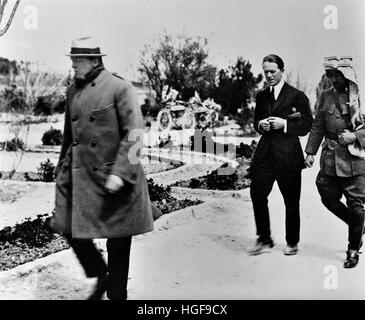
331	190
263	177
94	265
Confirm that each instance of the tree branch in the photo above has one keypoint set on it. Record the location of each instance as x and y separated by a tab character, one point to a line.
2	32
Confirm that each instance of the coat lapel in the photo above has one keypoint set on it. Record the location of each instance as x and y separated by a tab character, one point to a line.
281	97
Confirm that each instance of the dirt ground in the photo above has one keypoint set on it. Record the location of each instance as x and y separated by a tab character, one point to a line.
201	253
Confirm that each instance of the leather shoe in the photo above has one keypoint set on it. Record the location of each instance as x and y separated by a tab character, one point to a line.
352	259
100	288
260	246
291	250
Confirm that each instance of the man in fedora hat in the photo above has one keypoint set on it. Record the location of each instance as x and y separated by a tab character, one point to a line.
101	189
340	122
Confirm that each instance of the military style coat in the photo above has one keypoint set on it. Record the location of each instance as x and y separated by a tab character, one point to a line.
336	160
100	121
284	147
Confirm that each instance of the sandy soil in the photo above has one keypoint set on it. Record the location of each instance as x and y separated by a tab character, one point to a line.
201	253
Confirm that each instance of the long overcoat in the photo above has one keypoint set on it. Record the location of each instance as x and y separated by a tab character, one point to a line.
336	160
101	121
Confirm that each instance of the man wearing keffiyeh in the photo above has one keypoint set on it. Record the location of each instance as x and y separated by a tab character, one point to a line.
340	122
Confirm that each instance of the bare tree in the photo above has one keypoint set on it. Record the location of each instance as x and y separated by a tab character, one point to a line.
2	8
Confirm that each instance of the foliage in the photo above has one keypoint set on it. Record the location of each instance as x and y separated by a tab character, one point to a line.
46	171
244	118
218	180
14	144
158	192
7	67
10	19
203	142
31	83
162	198
52	137
180	63
214	180
149	110
236	87
49	104
30	233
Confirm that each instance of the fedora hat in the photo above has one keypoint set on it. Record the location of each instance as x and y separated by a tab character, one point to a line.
85	47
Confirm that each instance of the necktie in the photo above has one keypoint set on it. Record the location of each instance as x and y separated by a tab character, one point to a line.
273	94
272	99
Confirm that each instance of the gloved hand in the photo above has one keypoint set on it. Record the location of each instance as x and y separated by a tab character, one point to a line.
113	183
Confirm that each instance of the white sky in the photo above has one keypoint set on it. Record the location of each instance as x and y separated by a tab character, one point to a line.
251	29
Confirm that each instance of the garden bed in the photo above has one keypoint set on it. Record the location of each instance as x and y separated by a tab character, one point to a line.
235	179
32	239
149	165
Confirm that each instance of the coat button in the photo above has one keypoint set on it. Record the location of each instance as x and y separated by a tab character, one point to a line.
74	118
95	168
75	143
93	143
92	118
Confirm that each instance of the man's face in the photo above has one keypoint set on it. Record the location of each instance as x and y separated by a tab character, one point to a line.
82	66
338	79
272	73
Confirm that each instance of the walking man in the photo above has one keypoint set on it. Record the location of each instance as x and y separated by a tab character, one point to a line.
101	189
340	122
282	114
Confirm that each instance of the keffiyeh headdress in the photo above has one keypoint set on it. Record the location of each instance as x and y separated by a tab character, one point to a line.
345	66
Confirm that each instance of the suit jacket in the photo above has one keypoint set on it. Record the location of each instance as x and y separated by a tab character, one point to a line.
98	141
284	147
336	159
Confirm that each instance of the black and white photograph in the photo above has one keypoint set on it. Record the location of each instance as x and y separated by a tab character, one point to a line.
182	150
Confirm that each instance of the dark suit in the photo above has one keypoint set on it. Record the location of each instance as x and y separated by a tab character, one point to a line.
279	157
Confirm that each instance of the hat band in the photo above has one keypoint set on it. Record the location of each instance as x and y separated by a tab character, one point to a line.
85	51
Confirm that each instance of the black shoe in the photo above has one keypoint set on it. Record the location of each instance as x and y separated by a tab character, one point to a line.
100	288
261	245
352	259
291	250
118	298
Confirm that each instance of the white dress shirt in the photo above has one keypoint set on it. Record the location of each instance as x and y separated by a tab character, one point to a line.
277	90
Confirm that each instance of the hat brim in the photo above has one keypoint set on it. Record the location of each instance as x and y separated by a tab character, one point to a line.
85	55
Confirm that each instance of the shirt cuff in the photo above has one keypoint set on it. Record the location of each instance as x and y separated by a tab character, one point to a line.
285	126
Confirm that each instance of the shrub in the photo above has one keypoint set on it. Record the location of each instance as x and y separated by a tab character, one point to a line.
46	172
48	105
14	144
158	192
52	137
222	181
31	233
162	198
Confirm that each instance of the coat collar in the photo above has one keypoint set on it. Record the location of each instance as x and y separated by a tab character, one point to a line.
99	78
